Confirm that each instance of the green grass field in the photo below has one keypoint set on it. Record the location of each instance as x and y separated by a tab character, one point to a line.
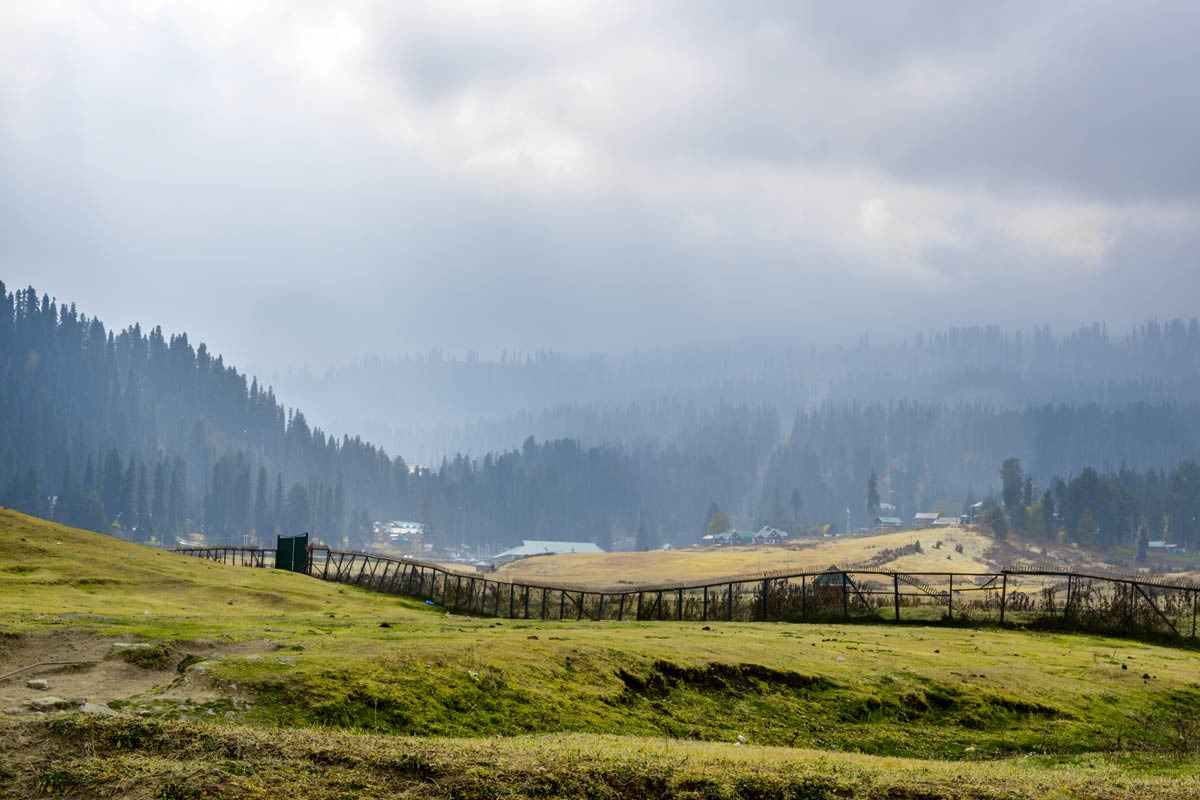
296	687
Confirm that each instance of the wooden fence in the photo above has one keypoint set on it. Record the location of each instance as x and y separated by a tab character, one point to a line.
1023	595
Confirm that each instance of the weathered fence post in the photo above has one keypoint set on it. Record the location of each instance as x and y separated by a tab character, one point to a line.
512	596
562	602
729	611
765	589
1067	603
1195	597
704	614
679	605
1132	604
621	608
845	596
950	599
658	606
896	594
600	610
1003	597
804	598
582	600
639	607
526	588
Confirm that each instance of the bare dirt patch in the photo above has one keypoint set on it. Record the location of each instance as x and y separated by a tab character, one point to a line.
108	674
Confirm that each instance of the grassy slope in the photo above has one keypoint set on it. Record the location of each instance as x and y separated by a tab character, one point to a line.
938	694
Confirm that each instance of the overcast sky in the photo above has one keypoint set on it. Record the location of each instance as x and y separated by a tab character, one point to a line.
303	182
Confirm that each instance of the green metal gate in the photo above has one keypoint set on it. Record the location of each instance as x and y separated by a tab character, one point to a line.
291	553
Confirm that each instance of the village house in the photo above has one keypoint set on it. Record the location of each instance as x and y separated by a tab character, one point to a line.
924	519
726	539
888	523
401	534
771	536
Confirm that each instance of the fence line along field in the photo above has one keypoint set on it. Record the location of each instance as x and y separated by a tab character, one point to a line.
1043	596
253	682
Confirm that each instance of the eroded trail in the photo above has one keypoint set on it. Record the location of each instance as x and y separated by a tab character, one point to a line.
117	673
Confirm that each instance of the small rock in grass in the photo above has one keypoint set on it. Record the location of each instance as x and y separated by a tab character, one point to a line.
98	709
385	624
37	683
47	703
530	637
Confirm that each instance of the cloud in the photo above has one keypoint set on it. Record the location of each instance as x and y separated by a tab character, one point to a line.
302	182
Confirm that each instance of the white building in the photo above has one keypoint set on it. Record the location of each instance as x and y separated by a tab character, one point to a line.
530	547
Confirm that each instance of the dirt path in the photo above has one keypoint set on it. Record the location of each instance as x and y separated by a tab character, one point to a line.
103	678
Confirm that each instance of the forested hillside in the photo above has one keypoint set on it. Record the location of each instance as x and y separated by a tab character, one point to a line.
147	435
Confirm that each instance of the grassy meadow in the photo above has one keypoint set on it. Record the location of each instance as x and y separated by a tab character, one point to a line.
264	683
951	549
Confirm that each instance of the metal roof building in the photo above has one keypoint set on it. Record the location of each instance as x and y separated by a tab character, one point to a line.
530	547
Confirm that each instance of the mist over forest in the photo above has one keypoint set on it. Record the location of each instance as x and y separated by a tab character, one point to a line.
150	436
434	405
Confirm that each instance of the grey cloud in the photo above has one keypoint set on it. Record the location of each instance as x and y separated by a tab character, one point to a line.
1092	99
163	171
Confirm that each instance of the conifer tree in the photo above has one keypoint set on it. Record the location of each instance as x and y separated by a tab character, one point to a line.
158	503
142	503
873	494
262	516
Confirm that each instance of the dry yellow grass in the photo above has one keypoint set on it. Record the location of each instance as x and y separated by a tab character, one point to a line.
656	566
